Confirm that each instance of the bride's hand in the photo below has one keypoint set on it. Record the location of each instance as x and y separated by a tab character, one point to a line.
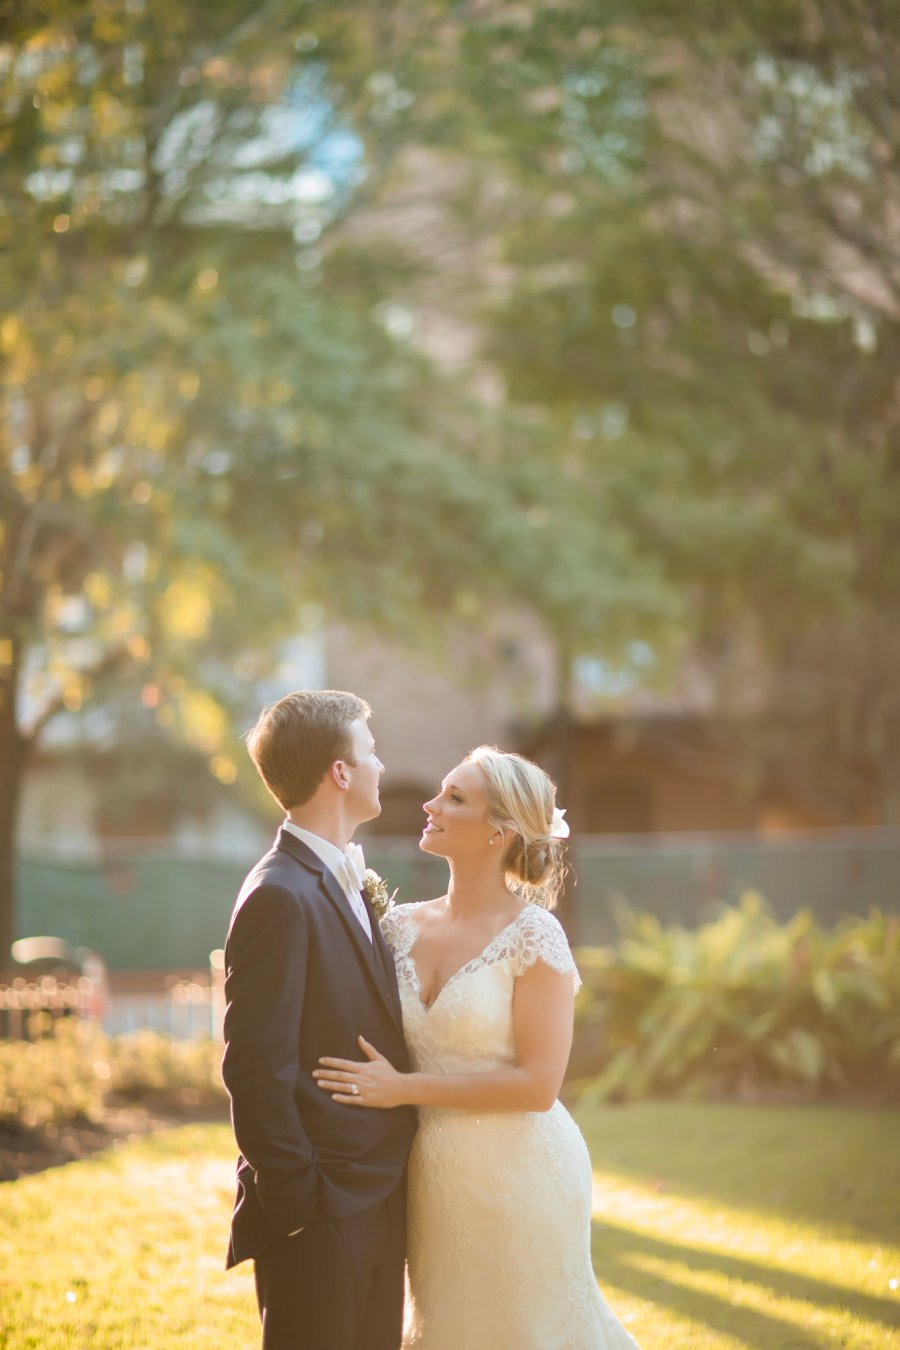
377	1082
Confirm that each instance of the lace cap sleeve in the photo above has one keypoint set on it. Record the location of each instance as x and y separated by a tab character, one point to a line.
540	937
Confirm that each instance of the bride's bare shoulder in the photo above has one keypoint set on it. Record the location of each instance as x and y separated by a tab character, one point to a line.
421	910
402	924
415	910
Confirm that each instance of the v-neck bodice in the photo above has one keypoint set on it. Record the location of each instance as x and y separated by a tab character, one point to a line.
468	1027
461	970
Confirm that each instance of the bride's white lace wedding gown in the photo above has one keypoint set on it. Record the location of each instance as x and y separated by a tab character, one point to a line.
499	1202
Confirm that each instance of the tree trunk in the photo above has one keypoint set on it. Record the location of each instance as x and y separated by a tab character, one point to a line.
13	748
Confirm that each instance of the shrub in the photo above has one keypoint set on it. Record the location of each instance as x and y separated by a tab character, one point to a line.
743	1006
146	1066
59	1078
77	1072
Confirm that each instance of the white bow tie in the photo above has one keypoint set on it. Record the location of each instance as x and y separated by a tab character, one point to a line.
355	864
352	877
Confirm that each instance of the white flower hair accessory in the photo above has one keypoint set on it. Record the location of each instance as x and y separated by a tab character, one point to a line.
559	828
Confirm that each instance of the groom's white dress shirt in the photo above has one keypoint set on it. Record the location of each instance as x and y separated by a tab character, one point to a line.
349	867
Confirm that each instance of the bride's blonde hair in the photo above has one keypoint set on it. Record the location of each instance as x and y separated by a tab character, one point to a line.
521	797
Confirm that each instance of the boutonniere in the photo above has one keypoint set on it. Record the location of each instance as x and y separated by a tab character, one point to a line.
376	893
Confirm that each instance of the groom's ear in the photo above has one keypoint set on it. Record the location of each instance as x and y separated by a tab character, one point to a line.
338	773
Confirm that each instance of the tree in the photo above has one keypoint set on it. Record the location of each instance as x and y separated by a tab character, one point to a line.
202	427
738	304
807	185
687	274
611	293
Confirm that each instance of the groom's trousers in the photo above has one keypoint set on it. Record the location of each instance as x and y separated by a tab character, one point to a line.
337	1285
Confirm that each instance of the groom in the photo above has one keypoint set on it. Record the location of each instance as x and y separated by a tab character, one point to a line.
320	1202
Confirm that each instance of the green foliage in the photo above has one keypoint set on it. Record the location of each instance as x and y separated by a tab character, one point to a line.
716	340
208	420
742	1006
680	226
148	1067
76	1072
212	421
53	1080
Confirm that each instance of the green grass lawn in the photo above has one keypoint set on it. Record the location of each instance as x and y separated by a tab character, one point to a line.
716	1227
725	1226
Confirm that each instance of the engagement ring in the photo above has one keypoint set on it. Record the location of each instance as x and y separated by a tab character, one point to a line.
354	1089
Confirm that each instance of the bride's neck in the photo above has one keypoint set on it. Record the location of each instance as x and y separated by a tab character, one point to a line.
475	888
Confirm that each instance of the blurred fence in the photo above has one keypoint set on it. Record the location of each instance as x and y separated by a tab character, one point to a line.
30	1009
160	910
179	1007
683	878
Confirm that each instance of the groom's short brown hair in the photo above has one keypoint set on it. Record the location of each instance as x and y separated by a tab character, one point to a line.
296	740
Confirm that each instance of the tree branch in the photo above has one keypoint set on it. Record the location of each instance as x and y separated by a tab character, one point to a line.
106	665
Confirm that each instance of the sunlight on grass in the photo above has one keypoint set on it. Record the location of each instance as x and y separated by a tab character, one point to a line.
717	1228
126	1251
724	1226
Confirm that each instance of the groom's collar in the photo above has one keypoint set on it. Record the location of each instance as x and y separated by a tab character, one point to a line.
327	852
290	843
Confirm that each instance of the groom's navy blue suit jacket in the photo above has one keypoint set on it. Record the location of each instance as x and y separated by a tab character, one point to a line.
302	980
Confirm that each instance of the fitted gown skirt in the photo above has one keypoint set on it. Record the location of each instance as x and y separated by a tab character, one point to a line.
499	1238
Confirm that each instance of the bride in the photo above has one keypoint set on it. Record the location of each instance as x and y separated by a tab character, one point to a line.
499	1175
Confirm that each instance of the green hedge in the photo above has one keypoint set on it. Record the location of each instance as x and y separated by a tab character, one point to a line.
742	1006
75	1073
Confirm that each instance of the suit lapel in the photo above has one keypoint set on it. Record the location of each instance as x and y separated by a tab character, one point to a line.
332	889
384	959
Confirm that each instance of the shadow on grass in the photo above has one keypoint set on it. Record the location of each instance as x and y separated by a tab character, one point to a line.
24	1152
819	1165
617	1252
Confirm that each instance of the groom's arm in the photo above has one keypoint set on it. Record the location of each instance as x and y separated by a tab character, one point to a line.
543	1014
264	990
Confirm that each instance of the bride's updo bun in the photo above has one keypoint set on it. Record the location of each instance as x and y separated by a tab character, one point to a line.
521	797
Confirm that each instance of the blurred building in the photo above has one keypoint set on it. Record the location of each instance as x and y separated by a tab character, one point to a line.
627	759
644	773
86	802
428	711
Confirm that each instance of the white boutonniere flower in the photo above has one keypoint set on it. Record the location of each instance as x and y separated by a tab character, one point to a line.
376	893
